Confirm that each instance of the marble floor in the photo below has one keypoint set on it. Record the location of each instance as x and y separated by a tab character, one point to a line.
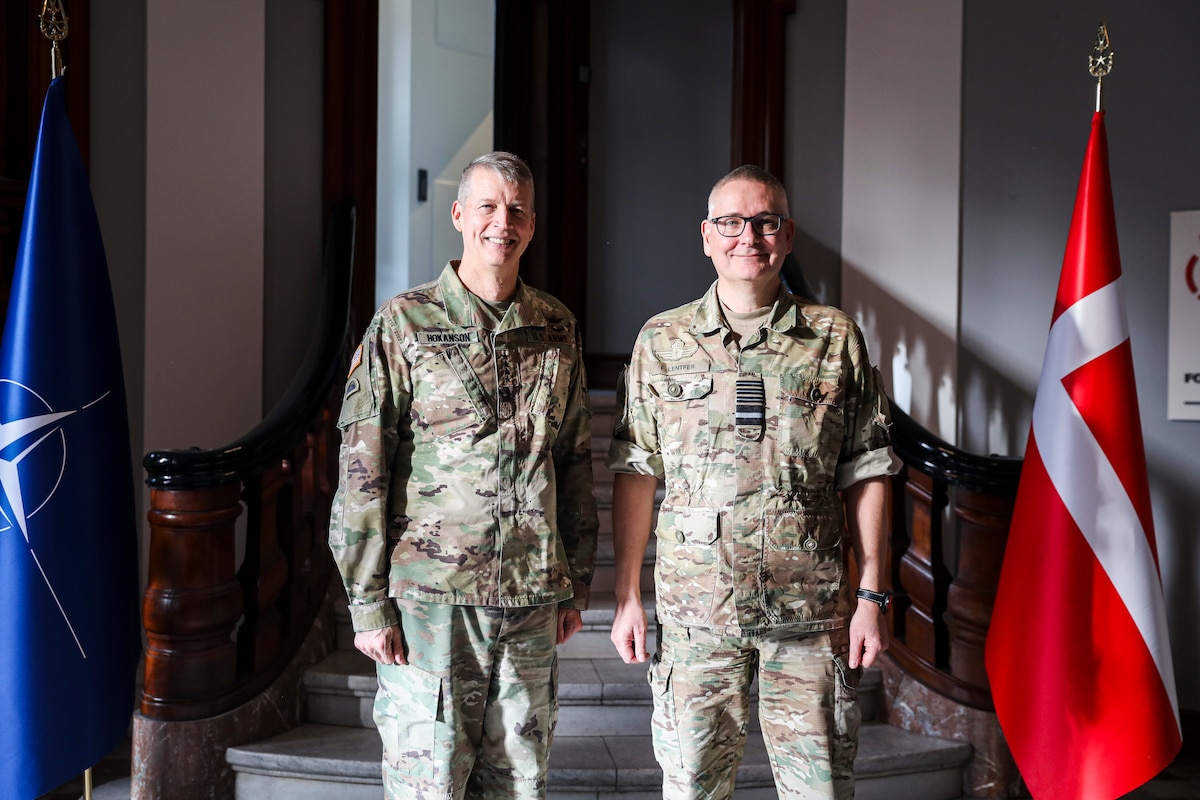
1180	781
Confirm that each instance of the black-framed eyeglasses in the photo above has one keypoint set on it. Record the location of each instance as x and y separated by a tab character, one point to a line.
763	224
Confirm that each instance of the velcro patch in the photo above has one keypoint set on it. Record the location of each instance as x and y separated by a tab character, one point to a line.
549	337
447	337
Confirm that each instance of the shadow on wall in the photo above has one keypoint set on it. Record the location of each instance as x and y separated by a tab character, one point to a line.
948	390
820	268
994	415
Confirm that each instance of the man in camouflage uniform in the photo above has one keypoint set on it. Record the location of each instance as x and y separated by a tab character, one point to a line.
763	415
464	524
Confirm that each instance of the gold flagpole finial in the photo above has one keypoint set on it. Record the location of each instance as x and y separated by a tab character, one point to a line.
54	27
1100	62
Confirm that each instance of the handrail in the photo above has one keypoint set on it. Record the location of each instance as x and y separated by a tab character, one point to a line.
942	617
921	449
322	366
219	633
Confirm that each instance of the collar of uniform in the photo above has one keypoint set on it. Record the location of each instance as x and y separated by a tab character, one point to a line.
462	306
785	315
708	318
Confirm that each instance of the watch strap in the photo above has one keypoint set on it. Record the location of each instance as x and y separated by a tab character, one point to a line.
881	599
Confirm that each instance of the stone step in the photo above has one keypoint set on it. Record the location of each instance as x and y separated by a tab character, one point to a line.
314	762
600	695
340	690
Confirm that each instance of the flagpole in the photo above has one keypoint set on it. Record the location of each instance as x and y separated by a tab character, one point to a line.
1100	63
53	24
54	27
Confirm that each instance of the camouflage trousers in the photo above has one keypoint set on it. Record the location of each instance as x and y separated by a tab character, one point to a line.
473	712
807	709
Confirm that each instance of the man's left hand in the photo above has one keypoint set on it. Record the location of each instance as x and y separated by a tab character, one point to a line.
868	635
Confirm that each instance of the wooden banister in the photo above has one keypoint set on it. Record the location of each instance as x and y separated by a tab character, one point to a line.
217	632
942	615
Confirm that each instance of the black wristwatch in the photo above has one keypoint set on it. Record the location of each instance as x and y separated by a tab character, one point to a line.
881	599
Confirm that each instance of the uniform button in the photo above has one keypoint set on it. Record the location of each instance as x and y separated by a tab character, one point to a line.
674	390
810	544
679	537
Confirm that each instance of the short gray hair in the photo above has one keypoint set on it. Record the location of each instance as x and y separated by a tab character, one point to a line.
509	167
753	174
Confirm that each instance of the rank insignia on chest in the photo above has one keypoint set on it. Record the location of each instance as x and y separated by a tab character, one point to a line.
749	414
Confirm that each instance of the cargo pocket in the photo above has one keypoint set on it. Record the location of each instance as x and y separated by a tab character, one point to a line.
686	567
663	724
418	745
847	719
802	564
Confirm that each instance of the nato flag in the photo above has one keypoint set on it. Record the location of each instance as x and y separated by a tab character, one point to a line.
69	628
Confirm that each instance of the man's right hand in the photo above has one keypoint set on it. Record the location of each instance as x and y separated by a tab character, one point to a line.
385	645
629	632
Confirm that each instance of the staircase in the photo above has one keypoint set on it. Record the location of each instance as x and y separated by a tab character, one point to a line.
602	745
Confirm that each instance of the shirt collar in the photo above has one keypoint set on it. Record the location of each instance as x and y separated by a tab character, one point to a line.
463	307
708	318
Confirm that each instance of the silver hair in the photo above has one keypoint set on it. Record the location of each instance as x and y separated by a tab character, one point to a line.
753	174
509	167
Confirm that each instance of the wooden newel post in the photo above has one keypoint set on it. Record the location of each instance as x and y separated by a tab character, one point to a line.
922	572
193	600
983	521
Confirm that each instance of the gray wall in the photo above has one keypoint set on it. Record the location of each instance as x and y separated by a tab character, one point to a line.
816	87
118	178
1028	103
660	101
294	231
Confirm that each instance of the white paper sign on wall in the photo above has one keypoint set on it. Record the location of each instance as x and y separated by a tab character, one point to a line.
1183	354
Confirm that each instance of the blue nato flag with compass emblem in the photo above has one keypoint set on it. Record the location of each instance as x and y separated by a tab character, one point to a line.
69	627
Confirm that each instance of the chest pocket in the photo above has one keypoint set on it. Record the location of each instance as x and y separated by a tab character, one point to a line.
684	402
546	375
448	399
811	420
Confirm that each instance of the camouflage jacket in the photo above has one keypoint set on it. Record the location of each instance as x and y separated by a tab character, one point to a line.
754	445
465	466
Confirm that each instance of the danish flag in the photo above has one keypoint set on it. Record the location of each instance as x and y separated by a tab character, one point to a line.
1077	654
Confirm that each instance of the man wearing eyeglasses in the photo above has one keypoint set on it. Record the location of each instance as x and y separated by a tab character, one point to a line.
763	415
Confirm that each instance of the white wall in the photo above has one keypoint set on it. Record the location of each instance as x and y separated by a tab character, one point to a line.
900	209
435	111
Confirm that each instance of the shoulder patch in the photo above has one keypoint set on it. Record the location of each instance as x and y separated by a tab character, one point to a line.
355	361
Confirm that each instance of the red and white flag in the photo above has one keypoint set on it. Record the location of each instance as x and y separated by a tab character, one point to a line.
1077	653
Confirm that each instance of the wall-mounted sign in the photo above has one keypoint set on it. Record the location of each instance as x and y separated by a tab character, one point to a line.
1183	353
